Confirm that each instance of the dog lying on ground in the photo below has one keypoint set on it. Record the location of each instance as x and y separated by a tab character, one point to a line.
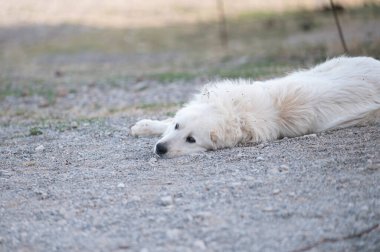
339	93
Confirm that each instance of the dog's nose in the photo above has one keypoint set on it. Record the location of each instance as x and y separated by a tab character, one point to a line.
161	149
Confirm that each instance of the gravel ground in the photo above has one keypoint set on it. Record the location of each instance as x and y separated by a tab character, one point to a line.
93	187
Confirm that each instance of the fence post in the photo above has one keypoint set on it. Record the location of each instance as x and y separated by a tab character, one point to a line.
338	27
223	34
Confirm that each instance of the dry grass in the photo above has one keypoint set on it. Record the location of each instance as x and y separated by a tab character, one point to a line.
56	53
79	48
136	13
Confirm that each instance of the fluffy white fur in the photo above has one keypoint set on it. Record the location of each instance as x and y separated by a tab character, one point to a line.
339	93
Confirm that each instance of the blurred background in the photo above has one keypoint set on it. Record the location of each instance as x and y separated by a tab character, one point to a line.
93	58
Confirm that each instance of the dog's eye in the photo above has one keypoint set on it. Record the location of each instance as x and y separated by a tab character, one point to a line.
190	139
176	126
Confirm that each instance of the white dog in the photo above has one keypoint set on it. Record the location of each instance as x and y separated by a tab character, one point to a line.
338	93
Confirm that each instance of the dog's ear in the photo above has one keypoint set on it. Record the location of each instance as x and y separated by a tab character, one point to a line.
213	136
226	136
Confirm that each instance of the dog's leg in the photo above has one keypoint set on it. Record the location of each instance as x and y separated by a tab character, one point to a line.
147	127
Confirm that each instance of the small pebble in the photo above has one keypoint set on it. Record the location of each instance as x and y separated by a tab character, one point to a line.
369	162
199	244
166	200
235	184
239	155
375	166
121	185
310	135
41	195
372	165
276	191
268	209
62	222
153	161
204	215
364	208
292	194
173	234
249	178
74	125
135	198
40	148
4	173
29	163
259	158
283	168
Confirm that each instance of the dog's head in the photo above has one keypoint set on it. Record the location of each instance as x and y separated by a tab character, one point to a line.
196	128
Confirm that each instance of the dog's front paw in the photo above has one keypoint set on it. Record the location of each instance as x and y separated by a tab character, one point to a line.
143	128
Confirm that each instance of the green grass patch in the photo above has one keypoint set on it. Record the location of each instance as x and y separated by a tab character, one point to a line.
35	131
149	106
368	10
252	70
242	72
7	89
164	77
32	88
158	106
63	125
168	77
170	113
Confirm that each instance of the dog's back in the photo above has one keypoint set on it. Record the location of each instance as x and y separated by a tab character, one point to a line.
338	93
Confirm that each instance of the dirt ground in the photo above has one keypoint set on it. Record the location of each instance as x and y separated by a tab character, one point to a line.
93	187
73	179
